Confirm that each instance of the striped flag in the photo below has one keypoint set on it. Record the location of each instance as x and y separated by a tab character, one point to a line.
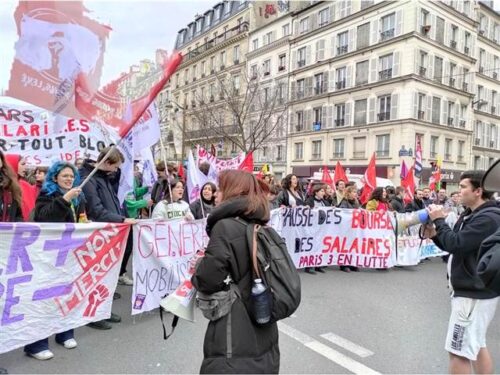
418	157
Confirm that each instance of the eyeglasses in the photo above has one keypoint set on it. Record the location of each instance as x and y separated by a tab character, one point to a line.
70	176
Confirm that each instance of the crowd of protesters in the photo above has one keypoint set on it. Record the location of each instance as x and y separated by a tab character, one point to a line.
52	194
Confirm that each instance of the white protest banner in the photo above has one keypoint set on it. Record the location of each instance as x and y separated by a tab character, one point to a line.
55	277
42	137
332	236
411	249
162	250
234	163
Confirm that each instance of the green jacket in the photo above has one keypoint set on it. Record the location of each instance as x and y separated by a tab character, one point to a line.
134	201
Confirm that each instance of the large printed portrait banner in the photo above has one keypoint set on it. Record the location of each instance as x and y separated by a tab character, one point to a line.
55	277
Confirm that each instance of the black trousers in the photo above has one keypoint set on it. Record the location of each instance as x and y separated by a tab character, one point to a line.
128	252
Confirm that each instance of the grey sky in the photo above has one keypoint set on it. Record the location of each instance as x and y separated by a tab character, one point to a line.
139	28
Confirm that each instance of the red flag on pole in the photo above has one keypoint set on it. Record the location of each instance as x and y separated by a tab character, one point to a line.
90	104
339	174
326	178
180	171
409	184
247	163
369	180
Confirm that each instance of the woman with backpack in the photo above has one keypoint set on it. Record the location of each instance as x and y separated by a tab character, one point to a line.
10	193
235	343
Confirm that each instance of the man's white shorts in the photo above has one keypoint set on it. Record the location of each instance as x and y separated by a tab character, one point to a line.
469	322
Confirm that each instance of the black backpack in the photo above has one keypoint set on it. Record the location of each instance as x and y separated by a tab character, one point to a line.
272	263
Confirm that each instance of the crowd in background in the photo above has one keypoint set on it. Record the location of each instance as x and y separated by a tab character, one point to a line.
52	194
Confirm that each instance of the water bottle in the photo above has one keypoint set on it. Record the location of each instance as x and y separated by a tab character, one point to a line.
261	302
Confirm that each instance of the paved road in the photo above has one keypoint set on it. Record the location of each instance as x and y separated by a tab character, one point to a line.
366	322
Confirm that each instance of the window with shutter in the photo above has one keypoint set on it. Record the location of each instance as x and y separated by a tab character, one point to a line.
299	151
360	112
439	30
359	147
363	36
436	110
383	145
362	72
338	148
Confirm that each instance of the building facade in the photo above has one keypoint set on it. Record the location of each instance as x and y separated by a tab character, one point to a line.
376	76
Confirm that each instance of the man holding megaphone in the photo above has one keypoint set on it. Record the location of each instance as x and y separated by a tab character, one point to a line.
472	304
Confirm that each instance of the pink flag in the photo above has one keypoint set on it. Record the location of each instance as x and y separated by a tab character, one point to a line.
404	170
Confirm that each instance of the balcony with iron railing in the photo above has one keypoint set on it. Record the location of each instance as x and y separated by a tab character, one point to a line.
462	123
421	115
228	34
342	49
319	89
421	71
452	82
340	122
339	85
301	63
450	121
384	116
387	34
385	74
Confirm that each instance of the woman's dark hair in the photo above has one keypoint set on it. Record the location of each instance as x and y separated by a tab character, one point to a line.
287	182
172	182
214	189
318	187
237	183
8	180
378	194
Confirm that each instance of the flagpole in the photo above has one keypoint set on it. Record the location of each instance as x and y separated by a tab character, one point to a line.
164	157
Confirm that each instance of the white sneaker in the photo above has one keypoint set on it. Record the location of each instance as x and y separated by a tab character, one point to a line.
125	280
70	344
43	355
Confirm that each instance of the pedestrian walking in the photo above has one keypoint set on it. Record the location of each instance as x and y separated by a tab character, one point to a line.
235	343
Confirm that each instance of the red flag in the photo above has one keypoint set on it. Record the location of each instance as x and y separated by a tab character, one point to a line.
57	40
91	104
180	171
247	163
339	174
409	184
326	178
369	180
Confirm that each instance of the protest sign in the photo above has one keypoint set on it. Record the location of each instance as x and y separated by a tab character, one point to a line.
55	277
411	249
205	156
162	250
41	137
332	236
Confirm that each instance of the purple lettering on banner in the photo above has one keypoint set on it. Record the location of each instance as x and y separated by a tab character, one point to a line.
18	247
53	291
11	301
64	245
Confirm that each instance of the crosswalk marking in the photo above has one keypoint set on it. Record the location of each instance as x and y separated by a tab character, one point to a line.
348	345
327	352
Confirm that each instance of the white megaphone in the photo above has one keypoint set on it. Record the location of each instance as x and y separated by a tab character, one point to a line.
181	303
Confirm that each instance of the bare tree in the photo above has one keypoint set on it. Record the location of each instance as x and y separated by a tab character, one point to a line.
252	109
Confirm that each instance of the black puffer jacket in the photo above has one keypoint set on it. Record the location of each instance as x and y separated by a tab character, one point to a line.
464	242
100	192
55	209
10	210
254	347
415	205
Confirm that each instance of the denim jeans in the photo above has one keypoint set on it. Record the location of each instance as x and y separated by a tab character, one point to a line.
42	345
